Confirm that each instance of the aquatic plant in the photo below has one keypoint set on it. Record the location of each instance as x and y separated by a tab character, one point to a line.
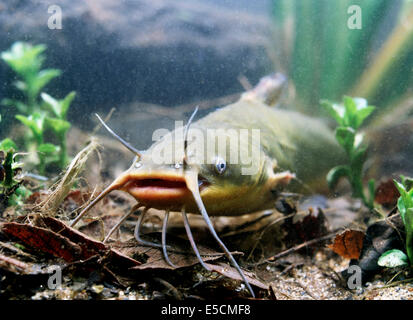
26	61
326	58
350	115
38	115
396	258
11	190
58	124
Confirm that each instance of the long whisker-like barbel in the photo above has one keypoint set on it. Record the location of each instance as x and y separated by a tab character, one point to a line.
192	184
115	185
191	239
137	233
112	187
117	137
164	248
116	226
191	179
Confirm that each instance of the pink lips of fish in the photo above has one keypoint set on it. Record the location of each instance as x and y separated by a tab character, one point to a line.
160	190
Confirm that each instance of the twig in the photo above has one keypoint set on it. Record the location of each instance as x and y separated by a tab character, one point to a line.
16	250
265	230
296	248
394	277
171	288
18	264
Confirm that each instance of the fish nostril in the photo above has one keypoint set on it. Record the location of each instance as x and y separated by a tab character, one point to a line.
202	182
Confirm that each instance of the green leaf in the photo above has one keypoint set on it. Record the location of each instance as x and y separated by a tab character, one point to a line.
362	115
400	187
48	148
7	165
59	126
350	105
21	85
58	107
7	144
28	122
336	111
42	79
405	201
51	103
408	224
357	111
393	258
351	111
358	157
35	122
65	103
407	182
52	158
335	174
345	137
17	199
402	208
358	140
21	106
24	58
361	103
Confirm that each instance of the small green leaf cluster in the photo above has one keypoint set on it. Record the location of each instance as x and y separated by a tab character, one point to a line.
12	192
38	115
405	207
350	115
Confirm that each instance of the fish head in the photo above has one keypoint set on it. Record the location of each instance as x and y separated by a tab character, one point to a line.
229	177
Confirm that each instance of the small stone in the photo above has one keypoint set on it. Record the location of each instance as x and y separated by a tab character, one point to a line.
97	288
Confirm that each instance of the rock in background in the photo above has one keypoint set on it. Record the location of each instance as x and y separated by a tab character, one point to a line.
117	52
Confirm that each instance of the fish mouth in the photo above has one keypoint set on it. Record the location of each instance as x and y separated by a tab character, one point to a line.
161	191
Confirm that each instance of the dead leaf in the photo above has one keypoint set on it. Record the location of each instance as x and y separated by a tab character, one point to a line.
37	197
380	237
54	237
387	193
43	240
312	226
78	197
89	246
348	244
180	254
305	226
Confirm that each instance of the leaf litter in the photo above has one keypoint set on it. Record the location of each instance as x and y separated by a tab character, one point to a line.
284	251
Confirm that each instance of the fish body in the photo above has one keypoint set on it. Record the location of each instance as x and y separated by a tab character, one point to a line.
289	145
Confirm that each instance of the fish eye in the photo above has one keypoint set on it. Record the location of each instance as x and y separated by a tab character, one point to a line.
220	165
